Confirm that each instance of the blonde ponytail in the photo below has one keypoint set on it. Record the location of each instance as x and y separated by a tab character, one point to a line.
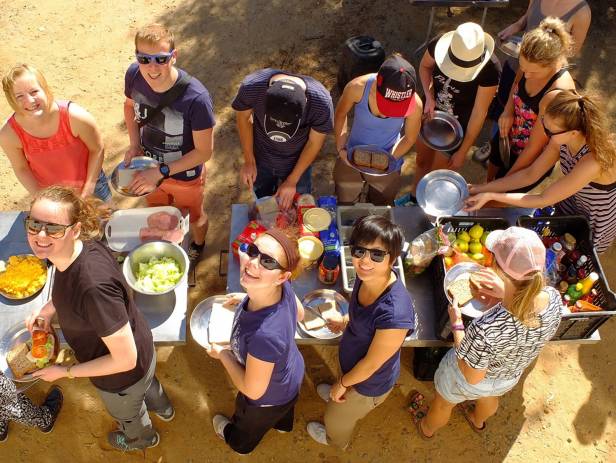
548	43
523	303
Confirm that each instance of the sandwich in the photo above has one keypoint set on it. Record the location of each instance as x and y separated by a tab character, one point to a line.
27	357
460	289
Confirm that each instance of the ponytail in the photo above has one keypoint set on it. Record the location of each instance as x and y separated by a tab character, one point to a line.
547	44
573	111
523	304
88	211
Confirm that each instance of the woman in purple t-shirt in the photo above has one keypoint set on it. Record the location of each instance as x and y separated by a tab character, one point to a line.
380	317
262	359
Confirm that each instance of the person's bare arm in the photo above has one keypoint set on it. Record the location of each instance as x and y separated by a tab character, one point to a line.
244	124
579	29
426	67
84	126
10	144
351	95
251	381
412	124
132	127
517	26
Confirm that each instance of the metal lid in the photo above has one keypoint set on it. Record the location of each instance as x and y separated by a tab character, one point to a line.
317	219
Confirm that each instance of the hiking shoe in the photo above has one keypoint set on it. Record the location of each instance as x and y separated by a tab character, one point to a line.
194	252
118	440
482	154
4	430
53	402
323	390
166	416
220	422
317	431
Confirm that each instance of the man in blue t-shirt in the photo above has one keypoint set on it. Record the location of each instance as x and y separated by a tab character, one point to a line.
282	120
179	135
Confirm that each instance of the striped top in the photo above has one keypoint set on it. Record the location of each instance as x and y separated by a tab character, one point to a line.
501	344
596	202
318	115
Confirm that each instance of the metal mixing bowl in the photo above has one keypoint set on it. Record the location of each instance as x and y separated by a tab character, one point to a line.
154	249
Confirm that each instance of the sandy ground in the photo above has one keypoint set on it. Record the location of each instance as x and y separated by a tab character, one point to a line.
564	409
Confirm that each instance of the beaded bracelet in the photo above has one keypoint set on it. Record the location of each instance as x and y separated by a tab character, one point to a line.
457	327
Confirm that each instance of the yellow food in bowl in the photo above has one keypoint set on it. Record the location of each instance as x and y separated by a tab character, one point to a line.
24	276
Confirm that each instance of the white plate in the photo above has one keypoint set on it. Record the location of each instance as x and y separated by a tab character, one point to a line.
319	296
200	318
442	192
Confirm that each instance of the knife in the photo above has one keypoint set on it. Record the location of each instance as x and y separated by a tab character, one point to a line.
315	312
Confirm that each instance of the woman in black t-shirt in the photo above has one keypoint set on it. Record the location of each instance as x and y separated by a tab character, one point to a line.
459	77
98	317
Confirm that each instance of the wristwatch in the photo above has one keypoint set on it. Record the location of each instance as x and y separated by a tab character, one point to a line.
164	170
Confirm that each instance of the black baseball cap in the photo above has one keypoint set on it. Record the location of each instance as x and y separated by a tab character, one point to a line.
285	101
396	82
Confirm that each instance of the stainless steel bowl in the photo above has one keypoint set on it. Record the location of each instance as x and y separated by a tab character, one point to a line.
137	163
442	193
154	249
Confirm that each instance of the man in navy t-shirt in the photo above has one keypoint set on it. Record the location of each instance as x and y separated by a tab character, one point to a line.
282	120
179	137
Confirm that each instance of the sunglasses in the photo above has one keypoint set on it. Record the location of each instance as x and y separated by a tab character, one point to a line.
376	255
548	132
266	261
160	58
53	230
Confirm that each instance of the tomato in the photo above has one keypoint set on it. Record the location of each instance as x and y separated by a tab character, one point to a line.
39	352
39	337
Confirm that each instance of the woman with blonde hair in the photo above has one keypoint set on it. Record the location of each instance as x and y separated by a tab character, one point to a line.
580	140
50	141
98	317
490	355
543	60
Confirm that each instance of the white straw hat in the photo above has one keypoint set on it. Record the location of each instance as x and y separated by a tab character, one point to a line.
462	54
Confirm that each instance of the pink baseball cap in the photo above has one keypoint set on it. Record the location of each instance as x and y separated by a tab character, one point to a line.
518	251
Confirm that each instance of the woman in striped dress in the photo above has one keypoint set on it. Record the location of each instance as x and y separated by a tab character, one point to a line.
579	138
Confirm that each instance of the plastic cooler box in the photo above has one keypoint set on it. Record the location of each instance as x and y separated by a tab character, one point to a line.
345	218
579	325
440	299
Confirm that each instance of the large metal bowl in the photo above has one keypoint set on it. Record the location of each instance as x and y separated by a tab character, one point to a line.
138	163
154	249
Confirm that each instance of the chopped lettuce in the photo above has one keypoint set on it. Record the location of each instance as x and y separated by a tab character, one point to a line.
158	274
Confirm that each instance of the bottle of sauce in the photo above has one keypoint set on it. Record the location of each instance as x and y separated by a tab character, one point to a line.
329	269
588	282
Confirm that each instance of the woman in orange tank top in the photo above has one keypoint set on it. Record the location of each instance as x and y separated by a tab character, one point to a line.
50	142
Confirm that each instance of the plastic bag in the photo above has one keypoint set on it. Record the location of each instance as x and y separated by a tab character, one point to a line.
427	246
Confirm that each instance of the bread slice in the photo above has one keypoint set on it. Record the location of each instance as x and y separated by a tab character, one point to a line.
221	323
328	310
379	161
311	321
18	361
362	158
460	289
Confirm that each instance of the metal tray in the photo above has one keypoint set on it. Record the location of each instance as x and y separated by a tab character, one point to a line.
137	163
14	335
392	167
319	296
200	318
443	132
35	293
474	308
511	46
442	192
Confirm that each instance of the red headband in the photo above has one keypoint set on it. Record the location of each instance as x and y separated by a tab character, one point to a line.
290	249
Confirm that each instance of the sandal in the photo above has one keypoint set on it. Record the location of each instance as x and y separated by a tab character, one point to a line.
465	408
418	409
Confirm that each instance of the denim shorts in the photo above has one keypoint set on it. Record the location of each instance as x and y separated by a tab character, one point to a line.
101	189
453	387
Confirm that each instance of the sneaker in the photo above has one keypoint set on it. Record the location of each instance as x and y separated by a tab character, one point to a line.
323	390
4	430
194	252
482	154
118	440
317	432
53	401
166	416
220	422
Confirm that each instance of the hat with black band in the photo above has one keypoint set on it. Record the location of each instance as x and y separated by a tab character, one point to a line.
462	54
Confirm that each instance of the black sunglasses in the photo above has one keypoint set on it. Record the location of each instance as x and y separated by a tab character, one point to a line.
548	132
53	230
266	261
376	255
161	58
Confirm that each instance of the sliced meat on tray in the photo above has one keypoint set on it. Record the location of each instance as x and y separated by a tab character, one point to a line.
163	221
153	234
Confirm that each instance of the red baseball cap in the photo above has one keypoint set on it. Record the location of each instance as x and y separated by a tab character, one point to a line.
396	82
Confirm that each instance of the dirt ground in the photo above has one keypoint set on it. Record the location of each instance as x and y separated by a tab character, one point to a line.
564	409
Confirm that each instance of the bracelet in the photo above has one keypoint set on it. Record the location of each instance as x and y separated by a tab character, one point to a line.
342	384
457	327
68	372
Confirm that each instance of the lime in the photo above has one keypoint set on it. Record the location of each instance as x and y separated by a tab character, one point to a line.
460	245
464	236
476	231
475	247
